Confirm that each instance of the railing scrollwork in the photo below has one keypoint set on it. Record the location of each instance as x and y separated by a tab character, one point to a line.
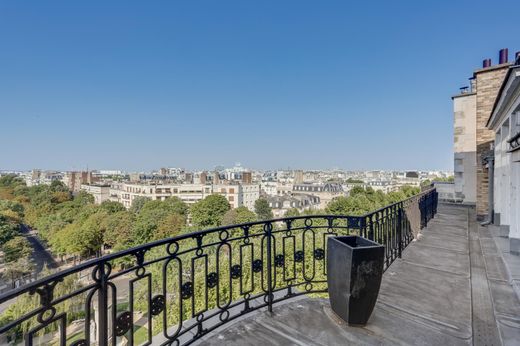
174	291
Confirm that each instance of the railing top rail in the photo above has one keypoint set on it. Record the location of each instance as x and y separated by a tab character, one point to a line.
193	235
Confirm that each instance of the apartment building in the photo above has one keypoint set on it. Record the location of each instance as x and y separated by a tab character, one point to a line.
301	202
239	194
236	194
326	192
472	139
38	177
100	192
125	193
504	161
465	145
73	180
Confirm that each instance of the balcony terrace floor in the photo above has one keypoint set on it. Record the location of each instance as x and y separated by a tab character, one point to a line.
441	292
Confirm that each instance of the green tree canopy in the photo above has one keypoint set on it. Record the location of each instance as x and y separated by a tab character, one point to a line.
8	230
118	229
112	207
210	211
138	203
292	212
263	210
16	248
238	215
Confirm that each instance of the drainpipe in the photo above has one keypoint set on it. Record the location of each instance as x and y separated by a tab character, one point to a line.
489	159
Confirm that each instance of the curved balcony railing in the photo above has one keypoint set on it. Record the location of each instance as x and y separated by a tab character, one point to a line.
176	290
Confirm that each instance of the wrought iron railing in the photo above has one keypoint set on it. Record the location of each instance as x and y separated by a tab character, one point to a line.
176	290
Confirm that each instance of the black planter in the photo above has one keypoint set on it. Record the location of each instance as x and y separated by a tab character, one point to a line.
354	272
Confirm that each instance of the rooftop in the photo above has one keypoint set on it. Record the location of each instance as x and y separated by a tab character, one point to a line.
449	288
265	282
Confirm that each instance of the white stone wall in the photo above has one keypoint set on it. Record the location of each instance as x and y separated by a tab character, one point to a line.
465	147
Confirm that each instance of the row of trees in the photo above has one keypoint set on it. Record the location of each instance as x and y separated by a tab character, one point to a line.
74	225
15	247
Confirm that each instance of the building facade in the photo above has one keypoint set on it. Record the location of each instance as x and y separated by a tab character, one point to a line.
504	123
486	82
281	204
74	180
326	192
236	194
101	193
465	146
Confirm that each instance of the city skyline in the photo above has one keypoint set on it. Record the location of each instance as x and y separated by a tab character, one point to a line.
337	85
220	168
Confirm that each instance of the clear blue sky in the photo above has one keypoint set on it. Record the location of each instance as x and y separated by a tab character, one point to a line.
138	85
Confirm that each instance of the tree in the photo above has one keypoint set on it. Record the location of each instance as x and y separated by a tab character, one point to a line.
354	181
409	191
210	211
170	226
58	186
238	216
395	196
11	180
158	219
90	235
14	270
292	212
358	204
263	210
177	206
83	198
172	205
138	203
112	207
12	206
16	248
426	182
118	229
7	230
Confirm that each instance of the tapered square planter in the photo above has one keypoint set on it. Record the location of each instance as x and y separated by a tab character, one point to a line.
354	272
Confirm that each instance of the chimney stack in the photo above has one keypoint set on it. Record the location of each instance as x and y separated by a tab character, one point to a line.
486	63
503	56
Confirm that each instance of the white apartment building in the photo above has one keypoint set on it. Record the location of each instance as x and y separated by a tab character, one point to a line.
275	188
269	187
101	193
505	122
125	193
326	192
281	204
465	146
239	194
236	194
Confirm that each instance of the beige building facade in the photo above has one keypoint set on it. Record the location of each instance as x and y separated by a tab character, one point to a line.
471	113
465	146
236	194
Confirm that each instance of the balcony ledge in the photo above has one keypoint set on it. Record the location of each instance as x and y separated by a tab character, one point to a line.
439	293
